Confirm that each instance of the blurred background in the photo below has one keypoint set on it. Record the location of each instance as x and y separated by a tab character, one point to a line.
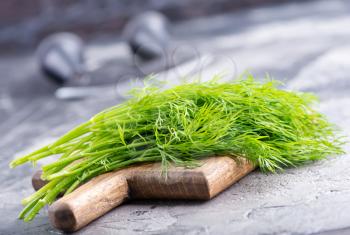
63	61
24	23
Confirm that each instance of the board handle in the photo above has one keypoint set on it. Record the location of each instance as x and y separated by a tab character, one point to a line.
89	202
37	182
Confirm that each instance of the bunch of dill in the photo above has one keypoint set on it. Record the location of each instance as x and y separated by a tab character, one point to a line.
270	127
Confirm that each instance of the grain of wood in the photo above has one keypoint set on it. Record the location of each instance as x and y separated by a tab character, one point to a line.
147	181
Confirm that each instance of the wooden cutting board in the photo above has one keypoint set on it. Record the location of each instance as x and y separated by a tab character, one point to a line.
105	192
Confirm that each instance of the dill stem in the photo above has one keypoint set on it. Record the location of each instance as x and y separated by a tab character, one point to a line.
76	132
117	149
38	194
61	162
49	197
26	158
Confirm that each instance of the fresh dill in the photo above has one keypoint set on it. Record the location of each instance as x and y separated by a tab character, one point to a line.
272	128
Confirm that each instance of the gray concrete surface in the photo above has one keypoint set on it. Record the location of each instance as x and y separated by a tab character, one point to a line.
305	45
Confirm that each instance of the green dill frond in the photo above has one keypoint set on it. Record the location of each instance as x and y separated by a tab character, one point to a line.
272	128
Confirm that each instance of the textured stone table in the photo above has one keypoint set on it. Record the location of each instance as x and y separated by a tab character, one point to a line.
305	45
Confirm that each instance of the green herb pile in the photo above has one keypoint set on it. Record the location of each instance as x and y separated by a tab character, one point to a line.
272	128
